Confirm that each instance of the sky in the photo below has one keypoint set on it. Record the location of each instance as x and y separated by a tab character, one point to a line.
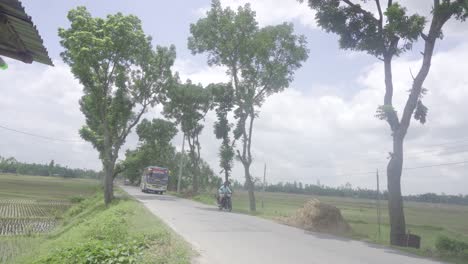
320	129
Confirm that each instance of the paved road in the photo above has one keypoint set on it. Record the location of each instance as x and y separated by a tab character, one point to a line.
225	238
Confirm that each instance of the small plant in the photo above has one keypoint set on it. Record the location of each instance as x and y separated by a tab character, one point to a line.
452	246
96	252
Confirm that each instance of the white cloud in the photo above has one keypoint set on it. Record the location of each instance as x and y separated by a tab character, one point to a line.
43	100
203	74
271	12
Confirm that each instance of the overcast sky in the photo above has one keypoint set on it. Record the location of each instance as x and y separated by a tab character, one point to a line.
322	128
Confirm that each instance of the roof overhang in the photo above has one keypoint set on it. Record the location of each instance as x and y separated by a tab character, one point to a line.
19	38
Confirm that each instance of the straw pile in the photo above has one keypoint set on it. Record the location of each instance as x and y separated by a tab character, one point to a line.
319	217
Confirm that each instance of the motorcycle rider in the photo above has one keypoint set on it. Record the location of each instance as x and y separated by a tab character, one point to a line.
224	189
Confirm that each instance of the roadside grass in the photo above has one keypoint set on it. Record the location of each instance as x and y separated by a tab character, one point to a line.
124	232
429	221
125	228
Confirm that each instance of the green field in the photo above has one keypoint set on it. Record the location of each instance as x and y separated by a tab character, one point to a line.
427	220
14	186
57	220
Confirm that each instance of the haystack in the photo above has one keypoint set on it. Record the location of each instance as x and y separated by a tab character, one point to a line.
319	217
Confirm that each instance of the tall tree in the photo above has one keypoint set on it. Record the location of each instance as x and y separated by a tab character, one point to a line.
188	104
122	76
223	95
385	36
260	62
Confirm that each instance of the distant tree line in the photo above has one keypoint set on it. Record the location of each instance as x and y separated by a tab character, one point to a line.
362	193
11	165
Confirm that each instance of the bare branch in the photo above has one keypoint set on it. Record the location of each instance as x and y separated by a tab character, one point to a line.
252	116
377	2
389	3
412	76
423	36
438	20
359	9
392	117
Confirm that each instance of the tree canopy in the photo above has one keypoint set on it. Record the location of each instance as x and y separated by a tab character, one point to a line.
188	104
154	148
121	74
259	61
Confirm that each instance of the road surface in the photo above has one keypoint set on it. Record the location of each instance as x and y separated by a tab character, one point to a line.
225	238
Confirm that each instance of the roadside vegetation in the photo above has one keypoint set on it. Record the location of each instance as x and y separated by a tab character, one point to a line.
433	222
56	220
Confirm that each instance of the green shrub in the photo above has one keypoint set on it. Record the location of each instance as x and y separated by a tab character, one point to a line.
448	245
97	252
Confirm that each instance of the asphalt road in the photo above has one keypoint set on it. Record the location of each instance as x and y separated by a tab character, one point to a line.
225	238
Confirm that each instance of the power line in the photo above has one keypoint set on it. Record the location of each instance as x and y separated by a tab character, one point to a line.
436	165
430	148
373	172
39	136
357	173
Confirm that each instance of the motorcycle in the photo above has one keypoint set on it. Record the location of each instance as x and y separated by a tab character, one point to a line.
225	202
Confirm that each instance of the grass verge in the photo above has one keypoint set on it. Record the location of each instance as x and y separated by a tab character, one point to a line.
124	232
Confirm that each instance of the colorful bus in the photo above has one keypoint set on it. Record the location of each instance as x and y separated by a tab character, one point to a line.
154	179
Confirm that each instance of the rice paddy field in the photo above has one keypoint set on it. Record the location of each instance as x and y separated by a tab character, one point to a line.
32	206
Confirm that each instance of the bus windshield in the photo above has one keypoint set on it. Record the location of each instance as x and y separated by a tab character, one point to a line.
156	177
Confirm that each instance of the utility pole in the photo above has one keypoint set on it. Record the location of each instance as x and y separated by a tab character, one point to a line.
264	181
181	164
378	205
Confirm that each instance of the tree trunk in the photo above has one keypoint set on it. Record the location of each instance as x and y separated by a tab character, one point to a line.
196	172
395	200
109	183
226	175
108	165
250	188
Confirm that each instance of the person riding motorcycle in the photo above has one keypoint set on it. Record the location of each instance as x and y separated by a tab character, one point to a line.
224	189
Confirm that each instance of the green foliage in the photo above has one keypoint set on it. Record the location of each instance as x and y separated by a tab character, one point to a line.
259	61
154	148
207	179
384	111
3	64
188	104
124	232
448	245
358	29
121	74
97	252
224	103
156	132
420	112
